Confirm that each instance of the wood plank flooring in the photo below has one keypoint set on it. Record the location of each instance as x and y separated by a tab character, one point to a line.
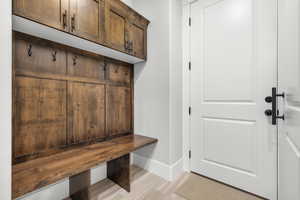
145	186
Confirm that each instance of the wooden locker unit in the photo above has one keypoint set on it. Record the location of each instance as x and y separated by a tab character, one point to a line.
40	116
73	109
94	91
86	107
52	13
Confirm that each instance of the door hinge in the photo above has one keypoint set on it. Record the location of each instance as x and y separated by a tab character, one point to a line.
190	21
190	66
190	154
190	110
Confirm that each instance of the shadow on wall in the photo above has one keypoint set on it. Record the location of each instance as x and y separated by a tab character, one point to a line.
138	70
146	152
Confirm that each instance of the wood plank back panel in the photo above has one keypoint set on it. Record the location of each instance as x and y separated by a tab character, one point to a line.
119	110
38	56
86	112
80	65
40	122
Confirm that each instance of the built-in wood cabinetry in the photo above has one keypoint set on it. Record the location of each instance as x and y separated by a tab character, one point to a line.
65	96
107	22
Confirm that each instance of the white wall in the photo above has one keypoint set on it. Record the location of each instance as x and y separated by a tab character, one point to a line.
152	81
158	86
176	80
5	106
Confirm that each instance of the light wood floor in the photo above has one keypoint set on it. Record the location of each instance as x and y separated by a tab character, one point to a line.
144	186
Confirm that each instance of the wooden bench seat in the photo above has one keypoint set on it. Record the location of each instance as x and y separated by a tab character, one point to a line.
34	174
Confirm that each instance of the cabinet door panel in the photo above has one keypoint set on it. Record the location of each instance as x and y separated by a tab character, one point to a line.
119	110
40	120
86	66
48	12
138	41
87	17
39	57
86	112
116	20
119	72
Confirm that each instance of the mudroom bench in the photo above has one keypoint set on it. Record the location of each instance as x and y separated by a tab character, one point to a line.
76	164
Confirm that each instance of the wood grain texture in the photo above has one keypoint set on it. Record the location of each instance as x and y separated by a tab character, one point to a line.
118	170
32	175
80	65
85	19
40	122
46	12
118	110
86	107
37	56
119	72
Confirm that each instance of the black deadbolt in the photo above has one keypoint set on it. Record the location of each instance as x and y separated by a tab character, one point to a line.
268	99
268	112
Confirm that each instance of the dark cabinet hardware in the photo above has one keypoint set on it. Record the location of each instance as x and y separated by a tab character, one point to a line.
64	18
127	45
54	56
74	60
73	23
29	50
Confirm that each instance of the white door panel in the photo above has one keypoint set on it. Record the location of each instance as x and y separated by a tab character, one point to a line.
289	82
233	53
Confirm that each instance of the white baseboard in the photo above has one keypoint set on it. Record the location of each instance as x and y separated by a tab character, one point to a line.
168	172
177	169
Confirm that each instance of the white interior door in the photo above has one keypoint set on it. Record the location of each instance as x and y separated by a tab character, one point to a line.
233	55
289	82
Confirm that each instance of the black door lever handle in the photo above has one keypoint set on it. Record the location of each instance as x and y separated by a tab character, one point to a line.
275	112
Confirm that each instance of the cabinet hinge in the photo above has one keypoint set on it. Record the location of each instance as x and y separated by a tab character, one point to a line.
190	110
190	21
190	66
190	154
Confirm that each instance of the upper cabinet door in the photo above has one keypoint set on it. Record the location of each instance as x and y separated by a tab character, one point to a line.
49	12
116	22
137	31
87	19
137	44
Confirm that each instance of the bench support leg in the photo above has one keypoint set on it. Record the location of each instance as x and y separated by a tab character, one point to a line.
79	186
118	170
